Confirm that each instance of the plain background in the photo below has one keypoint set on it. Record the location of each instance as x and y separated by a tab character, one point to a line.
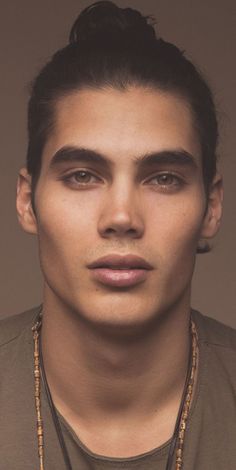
30	32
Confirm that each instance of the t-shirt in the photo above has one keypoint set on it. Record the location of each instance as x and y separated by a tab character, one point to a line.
210	440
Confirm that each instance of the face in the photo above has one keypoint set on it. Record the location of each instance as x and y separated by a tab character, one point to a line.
121	175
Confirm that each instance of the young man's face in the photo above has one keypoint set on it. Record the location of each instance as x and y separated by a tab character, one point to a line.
121	175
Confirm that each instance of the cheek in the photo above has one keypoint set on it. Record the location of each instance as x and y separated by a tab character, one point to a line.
183	210
65	230
62	217
175	228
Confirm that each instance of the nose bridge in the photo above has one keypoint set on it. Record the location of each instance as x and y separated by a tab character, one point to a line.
123	193
121	212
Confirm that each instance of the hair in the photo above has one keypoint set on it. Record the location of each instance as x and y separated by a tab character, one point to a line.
117	47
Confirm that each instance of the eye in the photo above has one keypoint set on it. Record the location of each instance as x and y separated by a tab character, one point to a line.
81	178
166	181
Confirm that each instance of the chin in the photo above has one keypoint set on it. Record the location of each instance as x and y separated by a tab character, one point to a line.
119	321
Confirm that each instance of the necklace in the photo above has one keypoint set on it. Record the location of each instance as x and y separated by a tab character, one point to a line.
177	440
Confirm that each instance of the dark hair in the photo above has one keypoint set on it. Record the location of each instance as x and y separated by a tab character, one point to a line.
117	47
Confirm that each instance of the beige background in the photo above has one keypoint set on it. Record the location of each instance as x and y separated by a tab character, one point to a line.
30	32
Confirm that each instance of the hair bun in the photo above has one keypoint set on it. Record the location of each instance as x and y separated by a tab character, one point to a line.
104	19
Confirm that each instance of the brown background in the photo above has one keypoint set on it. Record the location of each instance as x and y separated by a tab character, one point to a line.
30	32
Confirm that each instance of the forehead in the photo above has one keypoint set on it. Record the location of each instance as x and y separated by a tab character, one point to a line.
122	123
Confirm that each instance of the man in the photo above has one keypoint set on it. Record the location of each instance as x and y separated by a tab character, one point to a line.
121	189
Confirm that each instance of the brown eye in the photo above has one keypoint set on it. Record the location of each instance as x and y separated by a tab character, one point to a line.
82	177
166	179
166	182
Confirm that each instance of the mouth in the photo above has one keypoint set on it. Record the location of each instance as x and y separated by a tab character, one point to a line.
120	271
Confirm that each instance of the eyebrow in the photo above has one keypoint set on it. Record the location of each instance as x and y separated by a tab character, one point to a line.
72	154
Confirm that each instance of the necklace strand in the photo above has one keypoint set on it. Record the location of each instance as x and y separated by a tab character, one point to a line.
182	415
37	393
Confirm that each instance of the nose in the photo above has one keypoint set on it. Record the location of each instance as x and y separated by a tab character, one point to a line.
121	215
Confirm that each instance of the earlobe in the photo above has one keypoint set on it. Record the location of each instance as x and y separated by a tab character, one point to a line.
212	218
26	215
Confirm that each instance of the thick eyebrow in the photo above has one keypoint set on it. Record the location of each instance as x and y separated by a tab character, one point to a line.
171	157
79	154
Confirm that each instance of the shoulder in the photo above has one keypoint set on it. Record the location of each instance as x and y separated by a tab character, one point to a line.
214	332
12	327
217	343
217	374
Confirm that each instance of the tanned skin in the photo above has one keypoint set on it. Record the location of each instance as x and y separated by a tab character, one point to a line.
116	357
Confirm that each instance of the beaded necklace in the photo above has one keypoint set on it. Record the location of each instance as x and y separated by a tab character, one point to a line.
177	440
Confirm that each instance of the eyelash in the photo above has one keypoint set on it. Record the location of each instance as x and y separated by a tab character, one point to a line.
68	178
178	181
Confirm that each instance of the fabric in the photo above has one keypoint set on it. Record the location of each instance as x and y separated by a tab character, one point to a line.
210	441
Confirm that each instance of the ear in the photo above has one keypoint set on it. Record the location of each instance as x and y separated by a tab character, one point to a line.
212	218
26	215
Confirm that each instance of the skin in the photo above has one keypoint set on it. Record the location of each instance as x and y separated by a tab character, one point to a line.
119	340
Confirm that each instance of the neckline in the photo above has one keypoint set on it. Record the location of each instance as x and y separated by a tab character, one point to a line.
160	451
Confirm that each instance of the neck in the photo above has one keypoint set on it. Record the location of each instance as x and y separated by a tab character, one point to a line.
94	374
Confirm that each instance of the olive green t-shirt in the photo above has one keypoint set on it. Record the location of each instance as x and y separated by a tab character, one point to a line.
210	441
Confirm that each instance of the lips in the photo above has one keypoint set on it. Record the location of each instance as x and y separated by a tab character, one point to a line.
120	271
120	262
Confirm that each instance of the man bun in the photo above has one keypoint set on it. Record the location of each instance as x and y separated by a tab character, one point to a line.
104	21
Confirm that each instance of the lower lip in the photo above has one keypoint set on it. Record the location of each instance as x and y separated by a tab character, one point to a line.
120	277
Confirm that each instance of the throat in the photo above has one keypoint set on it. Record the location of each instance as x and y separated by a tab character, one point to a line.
124	434
94	374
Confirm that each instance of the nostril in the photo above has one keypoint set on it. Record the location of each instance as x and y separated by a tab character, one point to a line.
110	230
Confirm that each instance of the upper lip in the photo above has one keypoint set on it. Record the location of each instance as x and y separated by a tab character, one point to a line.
119	261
